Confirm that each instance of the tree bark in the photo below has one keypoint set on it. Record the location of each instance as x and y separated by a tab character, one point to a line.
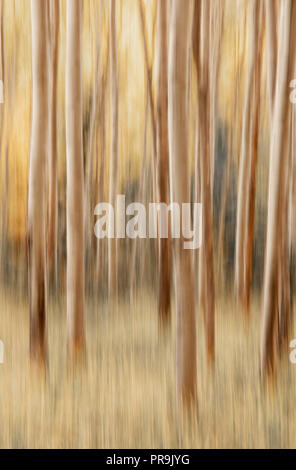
101	179
112	242
36	196
141	195
251	193
53	184
164	255
277	189
148	69
206	257
180	192
244	166
90	159
75	183
271	52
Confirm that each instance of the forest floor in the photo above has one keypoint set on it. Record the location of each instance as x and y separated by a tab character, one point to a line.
126	396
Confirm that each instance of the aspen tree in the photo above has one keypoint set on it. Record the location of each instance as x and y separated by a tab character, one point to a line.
75	182
164	268
52	167
113	182
206	256
271	51
244	165
36	196
180	192
254	138
277	189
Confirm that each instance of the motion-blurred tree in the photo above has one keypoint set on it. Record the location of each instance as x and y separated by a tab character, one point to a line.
37	184
75	182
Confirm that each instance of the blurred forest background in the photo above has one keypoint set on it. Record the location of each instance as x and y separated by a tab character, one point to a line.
140	343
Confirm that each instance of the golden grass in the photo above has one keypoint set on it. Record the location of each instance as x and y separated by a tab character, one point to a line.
126	397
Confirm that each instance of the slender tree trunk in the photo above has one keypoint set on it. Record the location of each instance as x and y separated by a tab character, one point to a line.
293	181
197	184
75	183
164	265
283	284
206	272
141	194
6	115
284	269
180	191
102	93
196	47
224	195
277	189
251	193
216	28
90	160
242	210
53	184
101	181
36	197
271	51
112	243
148	69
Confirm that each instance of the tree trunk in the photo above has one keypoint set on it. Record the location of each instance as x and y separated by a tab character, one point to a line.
206	257
141	195
53	186
224	195
216	28
251	192
112	242
164	265
180	191
36	196
75	183
244	166
148	69
271	51
101	179
277	189
88	212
